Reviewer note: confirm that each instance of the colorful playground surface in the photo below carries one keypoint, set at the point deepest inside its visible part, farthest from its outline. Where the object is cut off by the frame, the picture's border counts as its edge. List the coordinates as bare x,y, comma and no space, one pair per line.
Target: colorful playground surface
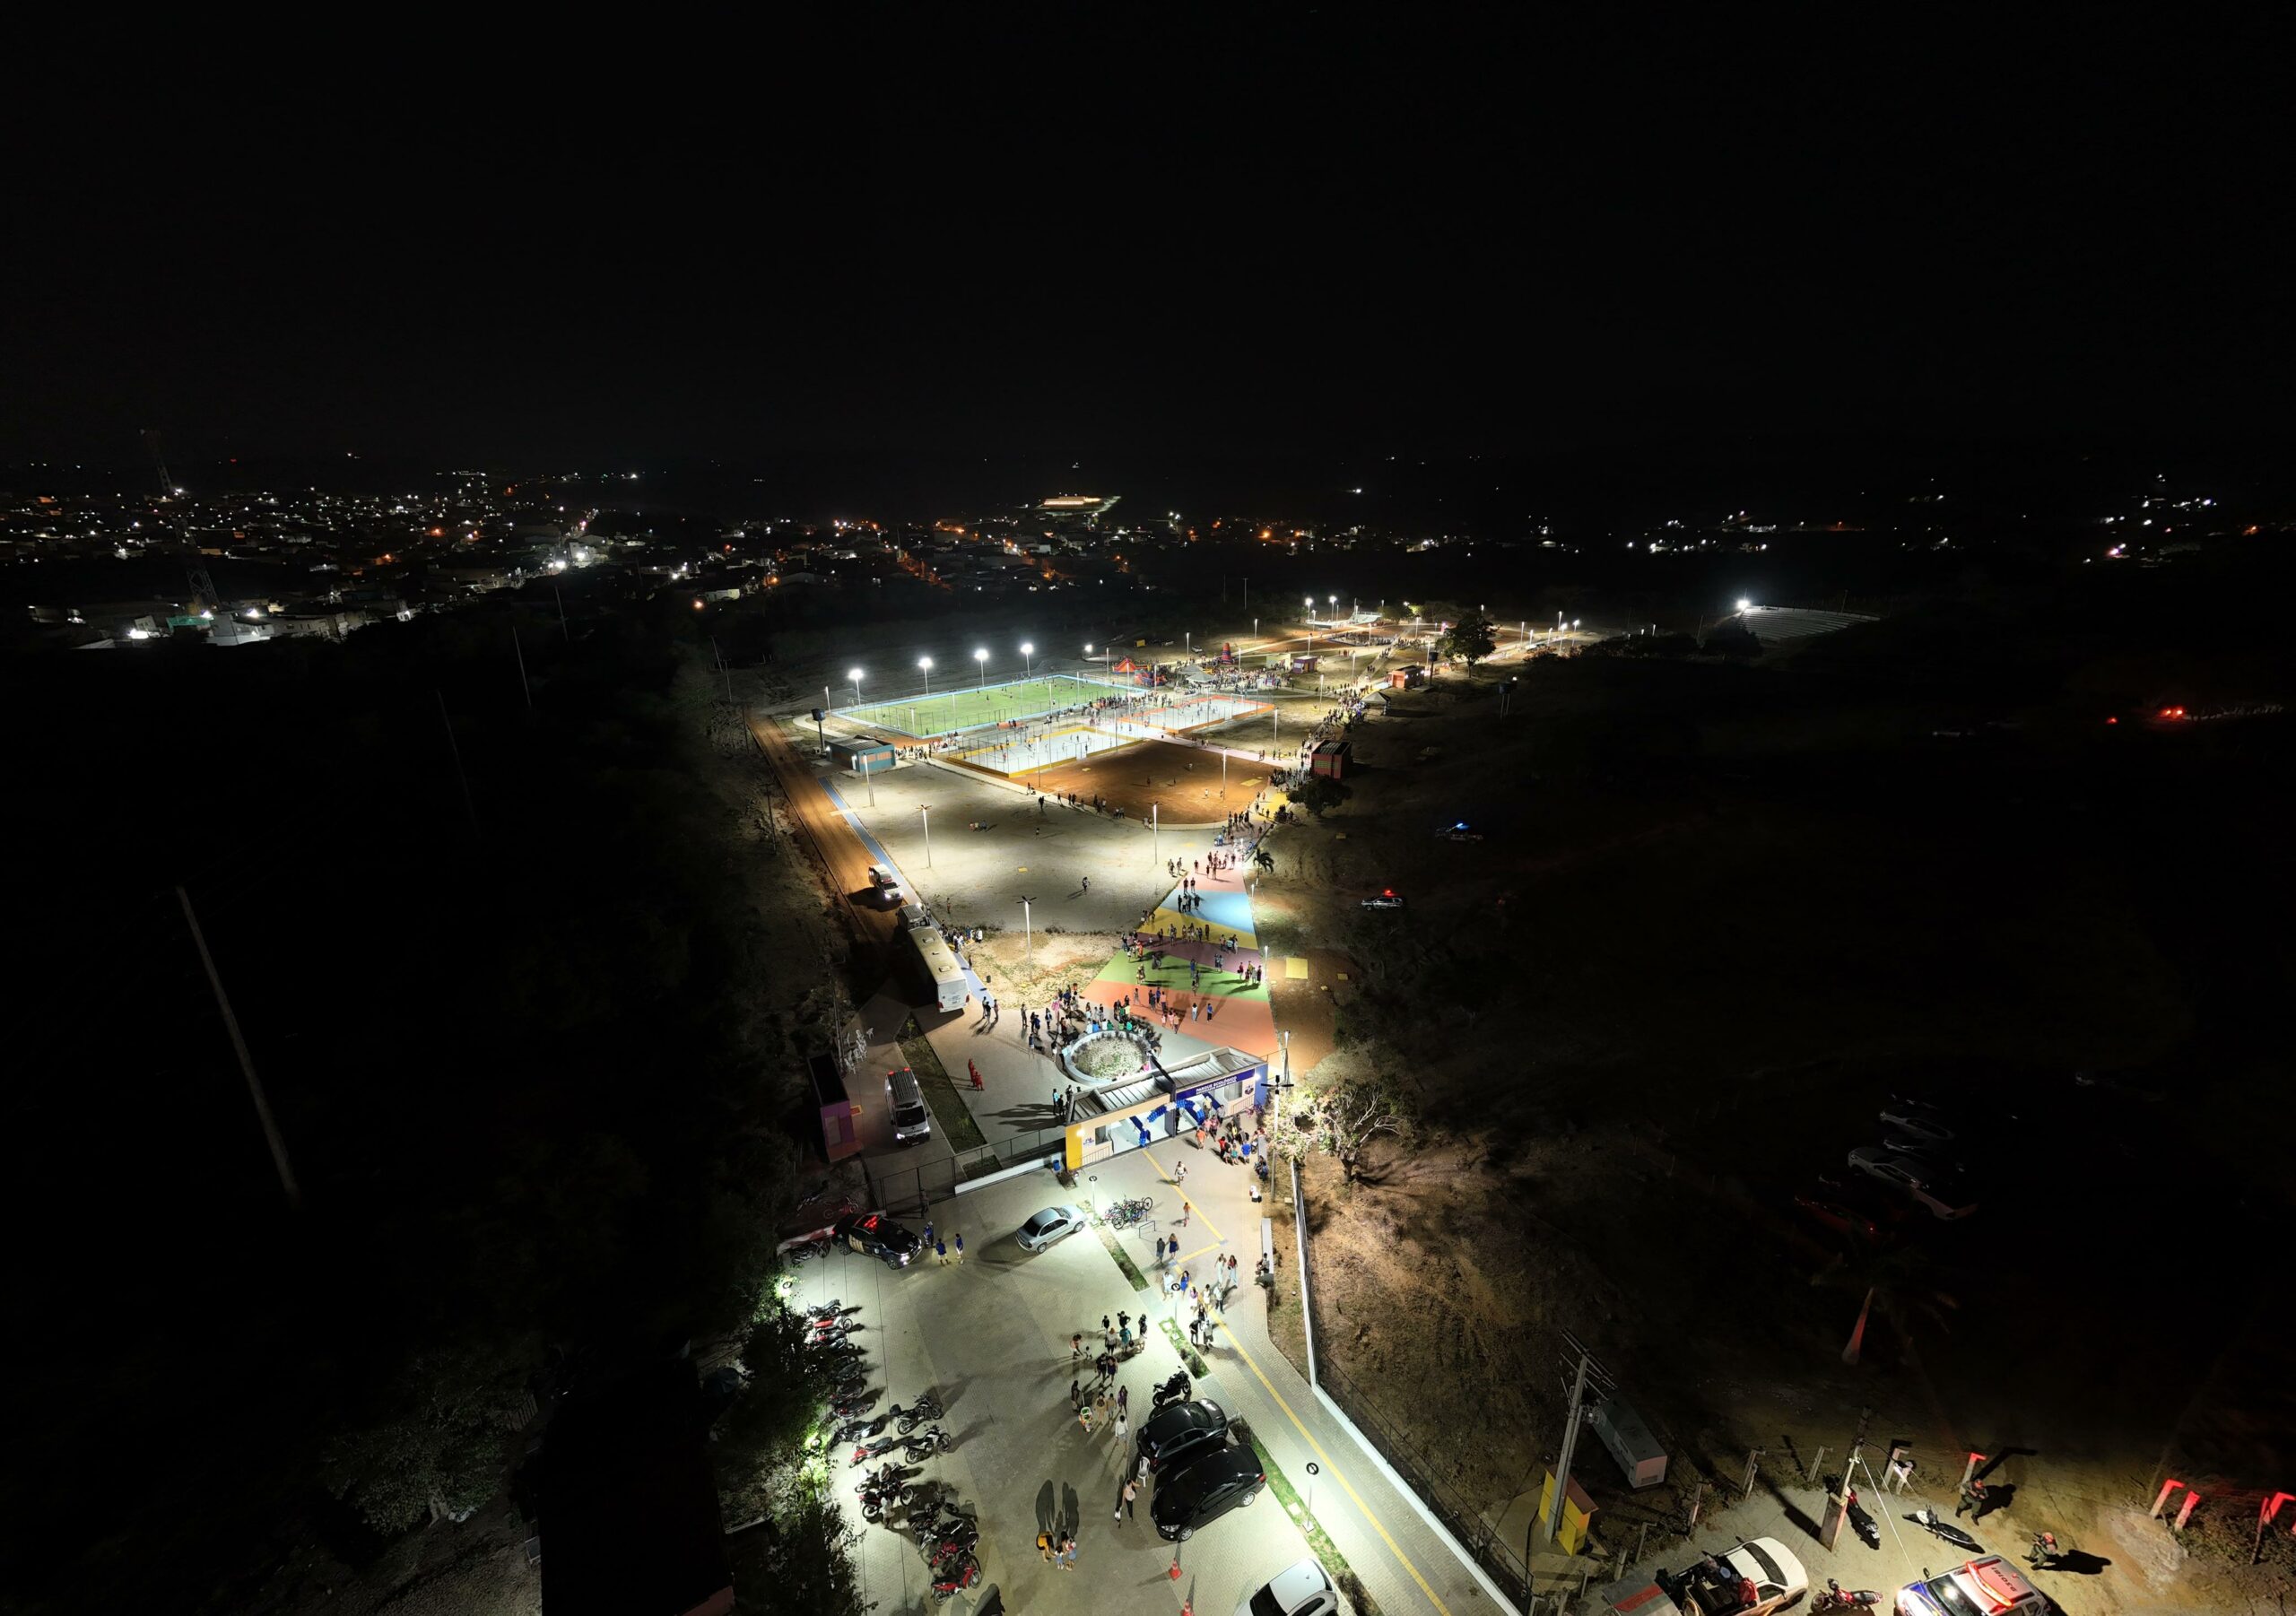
1200,978
974,707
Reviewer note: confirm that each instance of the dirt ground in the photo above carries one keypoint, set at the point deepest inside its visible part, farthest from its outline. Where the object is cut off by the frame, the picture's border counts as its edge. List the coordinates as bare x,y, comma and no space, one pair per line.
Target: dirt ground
1184,780
1061,959
1715,921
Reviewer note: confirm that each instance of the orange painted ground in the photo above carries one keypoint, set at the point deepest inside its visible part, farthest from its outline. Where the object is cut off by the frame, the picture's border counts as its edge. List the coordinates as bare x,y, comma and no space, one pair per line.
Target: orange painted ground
1184,779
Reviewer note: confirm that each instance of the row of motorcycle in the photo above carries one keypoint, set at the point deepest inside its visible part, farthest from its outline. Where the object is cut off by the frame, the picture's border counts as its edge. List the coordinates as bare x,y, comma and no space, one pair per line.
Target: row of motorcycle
947,1535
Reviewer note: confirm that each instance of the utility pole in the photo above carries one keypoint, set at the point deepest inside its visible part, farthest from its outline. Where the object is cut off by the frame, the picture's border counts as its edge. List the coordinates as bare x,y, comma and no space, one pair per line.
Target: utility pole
726,671
521,651
1587,1371
270,1135
1028,931
1838,1488
559,595
1156,833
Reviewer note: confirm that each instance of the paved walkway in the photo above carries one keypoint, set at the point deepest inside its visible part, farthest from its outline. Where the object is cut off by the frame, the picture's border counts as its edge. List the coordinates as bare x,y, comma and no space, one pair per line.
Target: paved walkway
1403,1562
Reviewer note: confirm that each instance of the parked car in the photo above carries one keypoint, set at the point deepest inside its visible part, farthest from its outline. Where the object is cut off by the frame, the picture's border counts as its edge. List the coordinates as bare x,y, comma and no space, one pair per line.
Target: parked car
1925,1181
1179,1430
1916,1123
1054,1223
1986,1587
1298,1590
1385,899
1202,1489
875,1235
885,886
1719,1584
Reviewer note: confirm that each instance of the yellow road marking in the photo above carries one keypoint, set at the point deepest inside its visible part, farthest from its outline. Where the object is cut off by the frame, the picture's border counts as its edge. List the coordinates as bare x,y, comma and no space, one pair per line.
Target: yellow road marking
1195,1211
1401,1558
1194,1254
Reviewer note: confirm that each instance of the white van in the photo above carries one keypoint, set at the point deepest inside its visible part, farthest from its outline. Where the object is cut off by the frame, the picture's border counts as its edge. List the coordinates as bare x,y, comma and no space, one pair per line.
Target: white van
916,917
906,1101
886,885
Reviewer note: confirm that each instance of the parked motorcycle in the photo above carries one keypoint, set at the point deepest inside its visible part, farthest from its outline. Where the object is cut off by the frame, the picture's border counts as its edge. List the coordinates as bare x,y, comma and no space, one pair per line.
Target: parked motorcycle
928,1407
1927,1519
955,1578
870,1450
1838,1598
1174,1390
931,1440
832,1308
1861,1522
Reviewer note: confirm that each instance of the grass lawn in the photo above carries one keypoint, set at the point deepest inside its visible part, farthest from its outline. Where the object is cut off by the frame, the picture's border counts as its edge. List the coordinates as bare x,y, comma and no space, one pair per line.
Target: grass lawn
948,1107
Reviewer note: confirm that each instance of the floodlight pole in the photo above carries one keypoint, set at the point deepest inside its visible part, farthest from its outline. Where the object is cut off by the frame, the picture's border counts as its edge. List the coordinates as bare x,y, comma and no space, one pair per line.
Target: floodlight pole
925,813
868,778
270,1135
1027,932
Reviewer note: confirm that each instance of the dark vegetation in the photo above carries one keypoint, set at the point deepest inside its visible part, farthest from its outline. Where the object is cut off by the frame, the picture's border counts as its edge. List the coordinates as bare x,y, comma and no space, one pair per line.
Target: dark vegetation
1722,908
531,1056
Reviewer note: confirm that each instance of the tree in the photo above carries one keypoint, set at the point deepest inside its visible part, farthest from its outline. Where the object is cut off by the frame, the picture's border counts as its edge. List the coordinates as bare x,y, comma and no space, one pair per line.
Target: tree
1340,1121
1471,639
1319,794
439,1448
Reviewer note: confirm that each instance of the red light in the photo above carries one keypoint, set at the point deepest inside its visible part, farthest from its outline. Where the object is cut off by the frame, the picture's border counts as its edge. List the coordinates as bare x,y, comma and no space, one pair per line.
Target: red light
2112,721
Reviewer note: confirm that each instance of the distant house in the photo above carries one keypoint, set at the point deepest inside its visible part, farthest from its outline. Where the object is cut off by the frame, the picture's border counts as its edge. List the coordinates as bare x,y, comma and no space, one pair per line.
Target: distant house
859,754
1409,677
1330,760
629,1524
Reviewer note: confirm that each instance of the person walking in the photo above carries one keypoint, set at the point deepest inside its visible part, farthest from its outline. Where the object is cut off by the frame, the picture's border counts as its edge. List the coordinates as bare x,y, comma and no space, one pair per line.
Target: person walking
960,1245
928,1232
961,1239
1120,1427
1067,1560
941,1251
1084,1417
1123,1323
1077,1346
1075,1396
1123,1504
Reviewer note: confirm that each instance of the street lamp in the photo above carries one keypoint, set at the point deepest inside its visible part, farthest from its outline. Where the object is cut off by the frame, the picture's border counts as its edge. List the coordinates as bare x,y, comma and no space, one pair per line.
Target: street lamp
1746,606
924,817
925,663
1027,932
981,657
855,675
1028,659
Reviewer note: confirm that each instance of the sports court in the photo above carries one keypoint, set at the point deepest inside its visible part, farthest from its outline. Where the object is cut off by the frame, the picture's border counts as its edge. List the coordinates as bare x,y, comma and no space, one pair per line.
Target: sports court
946,712
1183,780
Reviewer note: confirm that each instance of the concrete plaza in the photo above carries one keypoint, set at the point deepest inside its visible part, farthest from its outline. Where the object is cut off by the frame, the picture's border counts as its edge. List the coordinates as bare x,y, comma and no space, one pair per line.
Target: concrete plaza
990,1337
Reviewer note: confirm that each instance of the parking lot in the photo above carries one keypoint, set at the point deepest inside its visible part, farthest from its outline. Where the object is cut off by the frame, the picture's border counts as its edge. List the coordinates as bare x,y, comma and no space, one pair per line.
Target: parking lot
990,1337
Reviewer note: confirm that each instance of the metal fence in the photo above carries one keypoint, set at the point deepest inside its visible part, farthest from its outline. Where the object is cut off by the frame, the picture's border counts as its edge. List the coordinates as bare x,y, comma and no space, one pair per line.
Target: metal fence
896,1187
1417,1467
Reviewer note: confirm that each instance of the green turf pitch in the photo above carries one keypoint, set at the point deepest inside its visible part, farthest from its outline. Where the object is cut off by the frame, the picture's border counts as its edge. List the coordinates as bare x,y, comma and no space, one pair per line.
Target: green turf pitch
945,712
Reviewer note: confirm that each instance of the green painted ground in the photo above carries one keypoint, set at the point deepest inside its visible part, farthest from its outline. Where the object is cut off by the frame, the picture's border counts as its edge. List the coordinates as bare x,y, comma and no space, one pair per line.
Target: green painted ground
971,707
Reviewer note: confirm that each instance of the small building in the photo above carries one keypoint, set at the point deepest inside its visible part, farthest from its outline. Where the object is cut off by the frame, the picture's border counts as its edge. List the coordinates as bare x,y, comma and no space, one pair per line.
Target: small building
1330,760
839,1116
1303,662
863,754
1408,677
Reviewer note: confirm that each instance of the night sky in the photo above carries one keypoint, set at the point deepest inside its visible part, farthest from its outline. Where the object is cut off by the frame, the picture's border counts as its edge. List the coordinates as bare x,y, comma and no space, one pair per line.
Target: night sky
1304,236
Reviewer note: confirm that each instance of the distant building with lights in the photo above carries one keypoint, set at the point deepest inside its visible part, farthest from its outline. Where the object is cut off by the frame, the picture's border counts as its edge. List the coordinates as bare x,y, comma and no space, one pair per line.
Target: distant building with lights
1076,511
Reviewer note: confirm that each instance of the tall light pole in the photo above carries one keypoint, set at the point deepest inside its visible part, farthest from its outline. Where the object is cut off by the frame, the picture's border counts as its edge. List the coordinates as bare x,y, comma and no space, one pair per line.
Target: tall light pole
1156,833
925,815
1027,932
1311,626
855,675
1028,660
926,664
981,657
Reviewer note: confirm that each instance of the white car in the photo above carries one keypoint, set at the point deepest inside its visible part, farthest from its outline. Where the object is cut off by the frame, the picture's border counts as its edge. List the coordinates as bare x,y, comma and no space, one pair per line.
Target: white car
1917,1177
1990,1586
1054,1223
1297,1590
1717,1585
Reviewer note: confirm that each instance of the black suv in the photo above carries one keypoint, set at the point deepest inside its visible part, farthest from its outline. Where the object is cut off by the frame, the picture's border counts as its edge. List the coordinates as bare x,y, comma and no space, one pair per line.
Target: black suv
875,1235
1179,1430
1205,1488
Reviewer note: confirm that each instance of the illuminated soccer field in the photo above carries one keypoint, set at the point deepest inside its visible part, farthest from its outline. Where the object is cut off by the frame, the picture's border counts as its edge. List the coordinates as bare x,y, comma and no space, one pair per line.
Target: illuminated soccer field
945,712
